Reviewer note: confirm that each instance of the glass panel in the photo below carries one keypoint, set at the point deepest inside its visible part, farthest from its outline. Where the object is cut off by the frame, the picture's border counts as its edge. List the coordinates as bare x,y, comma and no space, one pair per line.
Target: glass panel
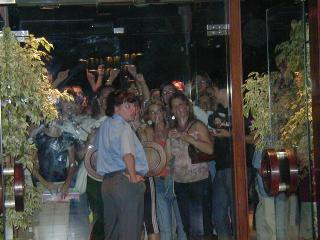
152,51
286,209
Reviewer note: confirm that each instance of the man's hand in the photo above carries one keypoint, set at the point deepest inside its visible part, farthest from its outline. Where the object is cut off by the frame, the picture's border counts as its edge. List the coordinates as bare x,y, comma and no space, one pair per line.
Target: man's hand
114,73
132,70
90,76
140,78
53,188
222,133
135,178
64,188
101,70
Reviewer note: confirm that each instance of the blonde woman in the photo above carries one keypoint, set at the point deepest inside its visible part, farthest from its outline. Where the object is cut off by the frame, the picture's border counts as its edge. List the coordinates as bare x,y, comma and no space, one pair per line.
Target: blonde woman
165,197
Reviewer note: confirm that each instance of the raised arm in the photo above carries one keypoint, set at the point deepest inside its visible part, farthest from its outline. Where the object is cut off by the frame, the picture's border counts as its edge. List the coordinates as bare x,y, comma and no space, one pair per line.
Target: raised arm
113,75
60,78
143,86
71,171
95,85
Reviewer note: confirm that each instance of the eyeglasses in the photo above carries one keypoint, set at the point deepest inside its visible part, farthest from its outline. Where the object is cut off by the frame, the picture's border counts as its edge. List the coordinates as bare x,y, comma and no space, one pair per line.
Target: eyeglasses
156,112
167,92
203,82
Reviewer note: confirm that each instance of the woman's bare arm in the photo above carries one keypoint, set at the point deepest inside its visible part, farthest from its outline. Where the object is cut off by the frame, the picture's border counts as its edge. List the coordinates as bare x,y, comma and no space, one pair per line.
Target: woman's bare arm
199,136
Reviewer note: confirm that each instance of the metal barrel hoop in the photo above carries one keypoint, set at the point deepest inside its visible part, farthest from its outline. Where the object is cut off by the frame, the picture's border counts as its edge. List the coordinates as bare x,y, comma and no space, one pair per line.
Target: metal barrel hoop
16,171
18,186
279,171
270,172
293,170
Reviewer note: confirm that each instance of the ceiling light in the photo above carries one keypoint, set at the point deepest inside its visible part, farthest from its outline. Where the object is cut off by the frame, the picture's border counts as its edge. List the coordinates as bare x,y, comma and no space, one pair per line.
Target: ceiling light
217,29
7,2
118,30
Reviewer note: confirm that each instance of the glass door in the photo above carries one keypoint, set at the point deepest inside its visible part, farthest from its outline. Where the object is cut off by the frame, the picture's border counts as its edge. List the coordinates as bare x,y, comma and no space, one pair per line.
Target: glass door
155,51
286,207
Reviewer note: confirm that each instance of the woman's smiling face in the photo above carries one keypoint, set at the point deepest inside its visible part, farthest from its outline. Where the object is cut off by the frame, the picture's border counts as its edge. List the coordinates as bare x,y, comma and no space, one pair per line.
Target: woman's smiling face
155,113
179,108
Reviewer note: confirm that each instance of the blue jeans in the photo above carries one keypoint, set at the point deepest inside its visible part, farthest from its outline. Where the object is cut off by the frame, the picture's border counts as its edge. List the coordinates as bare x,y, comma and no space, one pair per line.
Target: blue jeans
195,207
166,206
276,217
222,202
212,169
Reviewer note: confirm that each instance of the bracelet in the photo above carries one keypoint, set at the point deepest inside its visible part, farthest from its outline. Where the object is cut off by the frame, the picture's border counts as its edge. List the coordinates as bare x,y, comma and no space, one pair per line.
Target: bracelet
74,164
108,82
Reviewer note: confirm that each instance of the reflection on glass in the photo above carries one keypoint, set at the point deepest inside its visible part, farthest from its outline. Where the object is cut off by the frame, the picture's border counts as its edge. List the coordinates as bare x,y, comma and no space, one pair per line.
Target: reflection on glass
168,54
288,212
91,65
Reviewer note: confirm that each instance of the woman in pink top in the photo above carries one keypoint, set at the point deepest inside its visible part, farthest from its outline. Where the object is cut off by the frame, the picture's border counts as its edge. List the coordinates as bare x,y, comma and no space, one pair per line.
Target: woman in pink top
192,184
165,197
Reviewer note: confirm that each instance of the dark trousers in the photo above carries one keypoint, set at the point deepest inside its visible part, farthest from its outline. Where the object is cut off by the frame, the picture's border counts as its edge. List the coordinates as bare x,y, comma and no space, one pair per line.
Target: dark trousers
123,207
194,200
96,205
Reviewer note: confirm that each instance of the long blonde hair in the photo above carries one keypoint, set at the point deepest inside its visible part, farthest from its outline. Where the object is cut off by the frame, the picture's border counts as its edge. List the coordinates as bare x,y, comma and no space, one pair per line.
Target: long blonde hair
151,102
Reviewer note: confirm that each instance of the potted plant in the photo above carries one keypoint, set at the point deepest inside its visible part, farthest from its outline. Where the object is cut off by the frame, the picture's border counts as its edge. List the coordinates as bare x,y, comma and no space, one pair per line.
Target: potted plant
279,102
28,99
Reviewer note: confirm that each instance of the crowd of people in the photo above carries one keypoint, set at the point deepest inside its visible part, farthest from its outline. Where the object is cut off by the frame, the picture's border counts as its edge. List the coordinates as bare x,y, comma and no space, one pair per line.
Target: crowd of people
185,199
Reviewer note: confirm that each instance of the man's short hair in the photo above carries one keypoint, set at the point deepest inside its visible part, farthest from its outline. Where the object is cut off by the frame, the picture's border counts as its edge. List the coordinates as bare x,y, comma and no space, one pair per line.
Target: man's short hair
165,84
205,76
118,97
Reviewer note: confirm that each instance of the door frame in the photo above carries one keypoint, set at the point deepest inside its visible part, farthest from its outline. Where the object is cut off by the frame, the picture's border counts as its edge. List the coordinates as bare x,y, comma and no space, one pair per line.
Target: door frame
314,31
238,133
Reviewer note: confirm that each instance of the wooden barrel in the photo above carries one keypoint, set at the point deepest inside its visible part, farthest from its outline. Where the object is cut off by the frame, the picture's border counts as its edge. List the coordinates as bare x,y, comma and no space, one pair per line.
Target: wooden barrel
18,187
279,171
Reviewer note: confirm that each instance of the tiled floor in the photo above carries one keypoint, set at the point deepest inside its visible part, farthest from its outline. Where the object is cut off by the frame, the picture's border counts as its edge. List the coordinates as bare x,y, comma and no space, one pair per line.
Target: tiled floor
252,233
70,221
60,221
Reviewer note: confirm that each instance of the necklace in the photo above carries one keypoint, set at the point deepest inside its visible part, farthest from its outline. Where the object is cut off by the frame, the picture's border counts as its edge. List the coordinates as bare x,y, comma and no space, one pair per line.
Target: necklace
182,129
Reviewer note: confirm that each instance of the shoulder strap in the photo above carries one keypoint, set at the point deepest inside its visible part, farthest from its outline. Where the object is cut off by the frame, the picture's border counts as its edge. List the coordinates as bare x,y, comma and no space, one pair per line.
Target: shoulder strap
191,124
142,134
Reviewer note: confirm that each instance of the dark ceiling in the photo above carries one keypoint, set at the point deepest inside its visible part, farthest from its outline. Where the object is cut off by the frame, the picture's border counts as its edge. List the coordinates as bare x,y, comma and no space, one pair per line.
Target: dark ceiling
86,31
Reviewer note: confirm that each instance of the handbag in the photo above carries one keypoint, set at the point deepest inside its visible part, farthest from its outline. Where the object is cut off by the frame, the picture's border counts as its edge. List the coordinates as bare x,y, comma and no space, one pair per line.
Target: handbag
196,155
